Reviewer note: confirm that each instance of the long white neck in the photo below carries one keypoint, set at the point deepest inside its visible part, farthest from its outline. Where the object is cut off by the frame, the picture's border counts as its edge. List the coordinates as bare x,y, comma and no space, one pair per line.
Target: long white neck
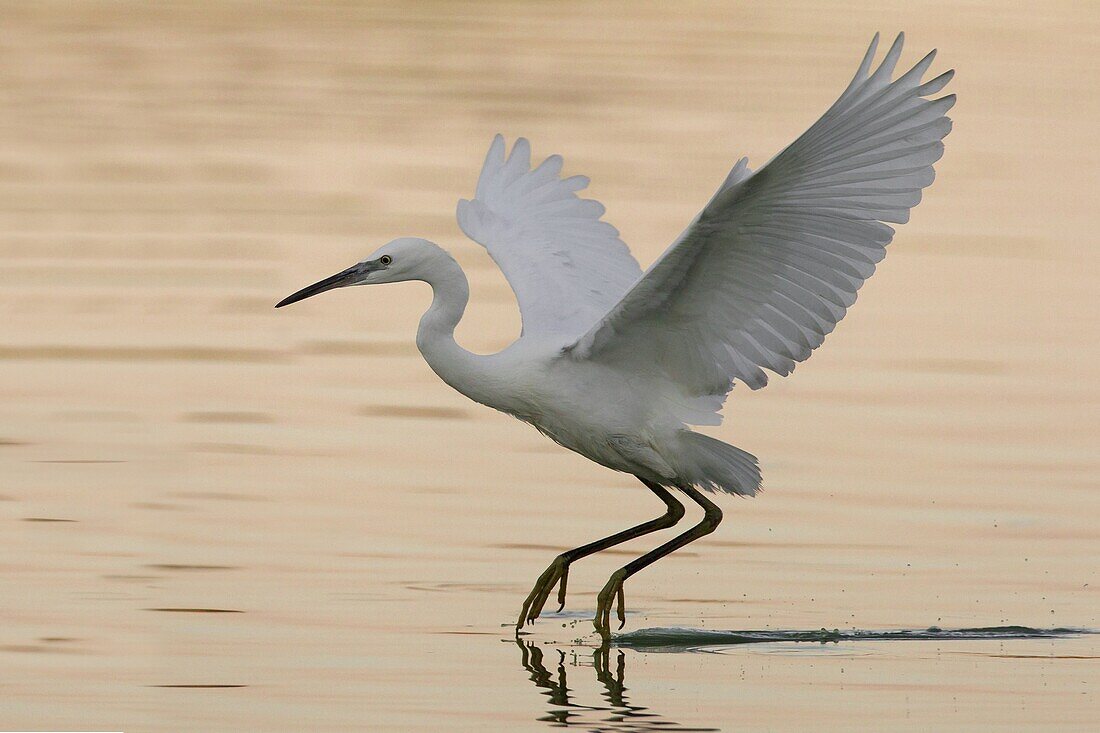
436,335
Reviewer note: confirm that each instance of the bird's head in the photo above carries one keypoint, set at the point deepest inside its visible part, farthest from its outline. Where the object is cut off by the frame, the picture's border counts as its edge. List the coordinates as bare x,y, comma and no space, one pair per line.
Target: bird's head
407,258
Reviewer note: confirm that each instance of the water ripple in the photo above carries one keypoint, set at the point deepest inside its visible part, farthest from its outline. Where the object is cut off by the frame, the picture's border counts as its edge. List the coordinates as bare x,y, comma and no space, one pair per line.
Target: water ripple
682,639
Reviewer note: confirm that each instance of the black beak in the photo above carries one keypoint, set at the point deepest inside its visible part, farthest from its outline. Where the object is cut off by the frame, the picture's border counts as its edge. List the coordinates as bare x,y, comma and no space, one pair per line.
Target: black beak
339,280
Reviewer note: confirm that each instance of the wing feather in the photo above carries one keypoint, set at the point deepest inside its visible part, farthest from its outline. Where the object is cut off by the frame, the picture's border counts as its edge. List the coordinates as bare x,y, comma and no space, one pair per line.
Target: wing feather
566,266
772,263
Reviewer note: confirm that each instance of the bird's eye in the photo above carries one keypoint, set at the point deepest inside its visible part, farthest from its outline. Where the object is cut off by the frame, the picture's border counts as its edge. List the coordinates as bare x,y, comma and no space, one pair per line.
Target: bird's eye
385,260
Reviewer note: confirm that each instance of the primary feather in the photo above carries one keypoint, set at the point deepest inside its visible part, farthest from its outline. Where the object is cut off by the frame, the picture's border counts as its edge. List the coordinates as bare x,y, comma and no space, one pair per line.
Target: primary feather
775,259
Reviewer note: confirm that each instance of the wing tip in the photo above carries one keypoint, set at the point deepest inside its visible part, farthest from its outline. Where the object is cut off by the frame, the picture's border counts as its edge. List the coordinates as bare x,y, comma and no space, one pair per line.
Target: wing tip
944,77
521,152
862,71
496,150
890,61
578,183
466,214
872,48
756,381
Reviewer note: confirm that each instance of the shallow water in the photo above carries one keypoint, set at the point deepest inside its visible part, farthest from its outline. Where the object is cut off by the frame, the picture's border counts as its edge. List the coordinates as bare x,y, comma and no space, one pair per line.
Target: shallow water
681,639
221,517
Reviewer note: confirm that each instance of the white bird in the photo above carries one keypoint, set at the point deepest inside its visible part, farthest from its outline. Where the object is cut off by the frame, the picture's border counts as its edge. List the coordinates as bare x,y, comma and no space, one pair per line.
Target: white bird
616,364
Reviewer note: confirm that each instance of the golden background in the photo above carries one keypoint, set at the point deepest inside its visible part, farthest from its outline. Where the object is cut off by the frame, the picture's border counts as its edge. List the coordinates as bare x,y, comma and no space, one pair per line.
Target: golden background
197,490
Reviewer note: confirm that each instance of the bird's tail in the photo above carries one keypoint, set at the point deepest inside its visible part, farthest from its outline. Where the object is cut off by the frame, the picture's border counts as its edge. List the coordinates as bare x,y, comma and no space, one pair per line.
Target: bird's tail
716,466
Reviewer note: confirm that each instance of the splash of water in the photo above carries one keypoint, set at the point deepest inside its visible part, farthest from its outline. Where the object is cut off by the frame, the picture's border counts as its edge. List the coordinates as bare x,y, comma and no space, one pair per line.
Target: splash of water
683,639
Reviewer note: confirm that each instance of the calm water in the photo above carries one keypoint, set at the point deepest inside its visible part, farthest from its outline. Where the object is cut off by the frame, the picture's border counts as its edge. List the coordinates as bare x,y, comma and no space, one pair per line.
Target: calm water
220,517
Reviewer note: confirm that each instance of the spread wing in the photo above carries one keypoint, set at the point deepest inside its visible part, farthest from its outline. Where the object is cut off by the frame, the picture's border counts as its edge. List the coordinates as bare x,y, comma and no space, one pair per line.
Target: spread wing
566,267
774,260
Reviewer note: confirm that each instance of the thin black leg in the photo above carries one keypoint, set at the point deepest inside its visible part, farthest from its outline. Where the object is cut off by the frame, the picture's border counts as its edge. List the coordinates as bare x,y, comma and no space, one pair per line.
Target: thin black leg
559,568
614,588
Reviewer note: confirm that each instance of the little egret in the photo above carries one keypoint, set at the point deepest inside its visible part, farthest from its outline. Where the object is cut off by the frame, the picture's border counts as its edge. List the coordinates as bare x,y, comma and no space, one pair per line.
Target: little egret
614,363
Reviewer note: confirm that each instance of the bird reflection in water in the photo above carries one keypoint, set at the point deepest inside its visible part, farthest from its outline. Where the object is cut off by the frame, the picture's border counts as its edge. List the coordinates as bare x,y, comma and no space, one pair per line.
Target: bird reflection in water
617,714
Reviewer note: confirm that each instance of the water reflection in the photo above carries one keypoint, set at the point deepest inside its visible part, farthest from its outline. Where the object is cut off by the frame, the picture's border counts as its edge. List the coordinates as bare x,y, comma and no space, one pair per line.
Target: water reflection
617,713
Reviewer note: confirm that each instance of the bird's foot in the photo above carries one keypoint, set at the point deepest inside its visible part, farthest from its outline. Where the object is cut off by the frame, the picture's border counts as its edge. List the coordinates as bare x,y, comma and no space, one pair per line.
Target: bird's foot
611,592
558,572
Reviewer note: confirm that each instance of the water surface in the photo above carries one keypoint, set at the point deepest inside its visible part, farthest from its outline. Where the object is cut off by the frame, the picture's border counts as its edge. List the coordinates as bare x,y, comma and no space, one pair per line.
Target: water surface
220,517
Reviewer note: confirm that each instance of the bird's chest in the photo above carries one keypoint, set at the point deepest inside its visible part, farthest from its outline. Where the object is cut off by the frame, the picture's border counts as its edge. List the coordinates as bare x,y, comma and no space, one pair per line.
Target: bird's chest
583,415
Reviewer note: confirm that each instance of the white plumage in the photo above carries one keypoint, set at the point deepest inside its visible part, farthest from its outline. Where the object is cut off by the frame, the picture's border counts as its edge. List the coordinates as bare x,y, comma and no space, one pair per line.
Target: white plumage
616,364
567,267
774,260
